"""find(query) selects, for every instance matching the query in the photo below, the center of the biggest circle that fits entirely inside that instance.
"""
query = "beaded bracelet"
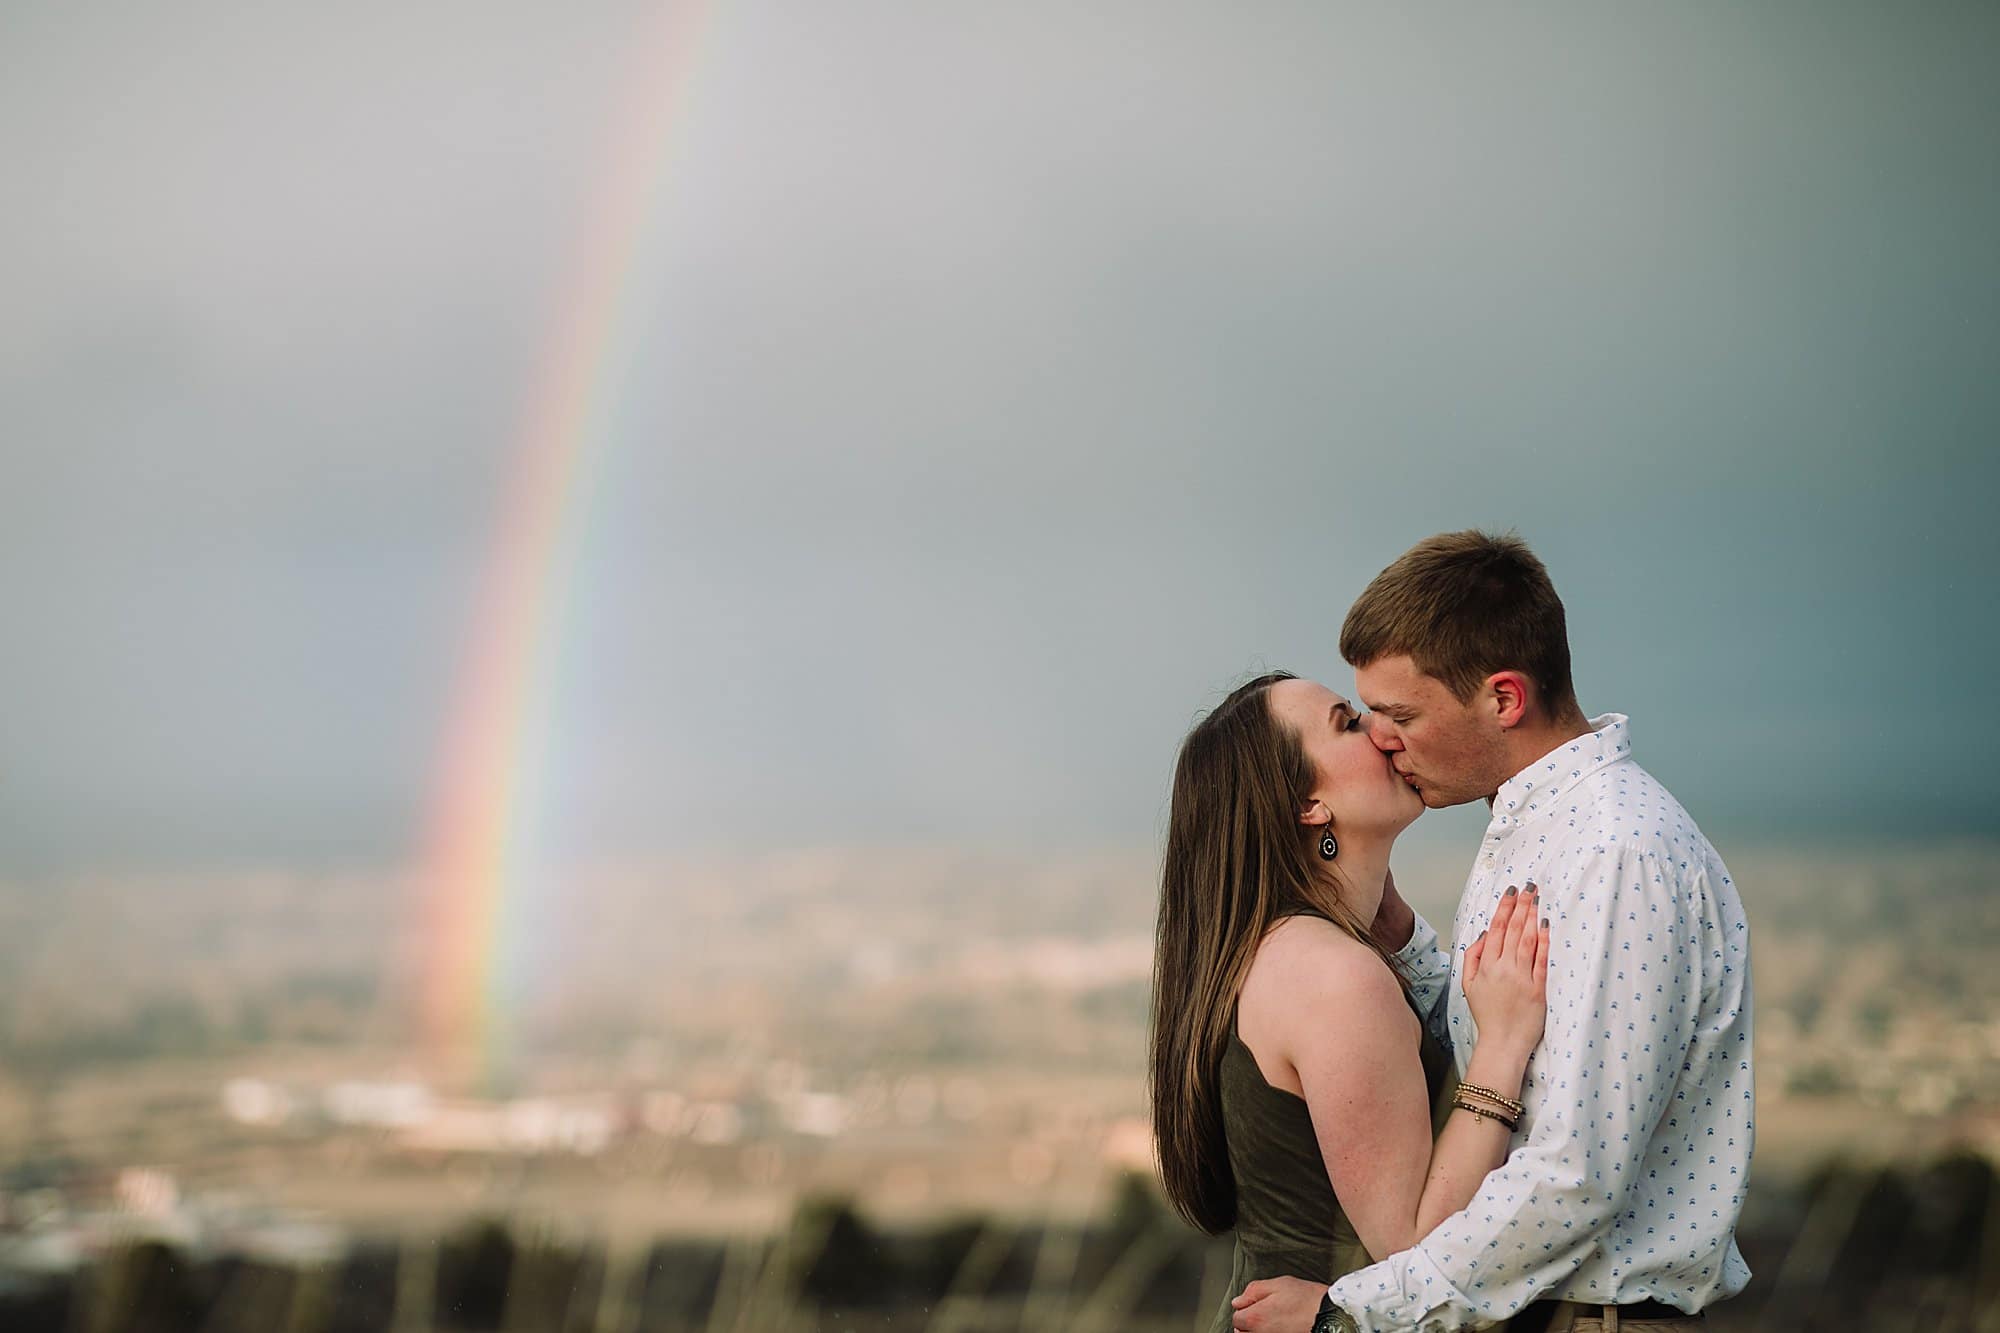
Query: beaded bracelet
(1494, 1097)
(1485, 1113)
(1511, 1114)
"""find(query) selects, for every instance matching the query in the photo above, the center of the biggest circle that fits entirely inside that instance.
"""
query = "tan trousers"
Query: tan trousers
(1575, 1317)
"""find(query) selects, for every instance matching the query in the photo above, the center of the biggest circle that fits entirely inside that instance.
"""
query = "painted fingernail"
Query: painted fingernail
(1545, 923)
(1510, 892)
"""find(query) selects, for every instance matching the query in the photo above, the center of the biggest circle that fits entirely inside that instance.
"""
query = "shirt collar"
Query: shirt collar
(1533, 791)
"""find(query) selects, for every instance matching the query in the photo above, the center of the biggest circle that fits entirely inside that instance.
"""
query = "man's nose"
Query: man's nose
(1383, 732)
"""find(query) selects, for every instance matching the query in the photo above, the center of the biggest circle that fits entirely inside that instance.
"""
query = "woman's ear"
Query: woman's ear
(1314, 813)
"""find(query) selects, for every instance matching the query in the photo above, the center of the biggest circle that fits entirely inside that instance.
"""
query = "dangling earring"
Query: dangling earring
(1328, 848)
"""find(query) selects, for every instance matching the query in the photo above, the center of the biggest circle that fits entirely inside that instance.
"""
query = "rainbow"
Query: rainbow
(479, 864)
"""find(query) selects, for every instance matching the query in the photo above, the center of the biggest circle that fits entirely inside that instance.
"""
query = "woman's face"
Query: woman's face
(1355, 780)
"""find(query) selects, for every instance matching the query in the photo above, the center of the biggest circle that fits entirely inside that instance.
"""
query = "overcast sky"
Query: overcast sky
(1005, 382)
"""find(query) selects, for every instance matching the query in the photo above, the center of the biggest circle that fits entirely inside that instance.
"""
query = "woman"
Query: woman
(1293, 1083)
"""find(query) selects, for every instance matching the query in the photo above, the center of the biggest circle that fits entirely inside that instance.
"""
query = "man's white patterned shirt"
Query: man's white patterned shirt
(1627, 1174)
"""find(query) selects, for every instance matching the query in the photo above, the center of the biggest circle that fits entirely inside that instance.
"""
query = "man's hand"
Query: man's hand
(1395, 920)
(1277, 1305)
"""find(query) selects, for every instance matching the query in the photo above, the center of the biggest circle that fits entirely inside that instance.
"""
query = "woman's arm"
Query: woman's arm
(1469, 1146)
(1352, 1039)
(1506, 980)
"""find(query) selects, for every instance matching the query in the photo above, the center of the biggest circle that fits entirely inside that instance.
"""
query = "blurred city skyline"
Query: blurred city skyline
(996, 388)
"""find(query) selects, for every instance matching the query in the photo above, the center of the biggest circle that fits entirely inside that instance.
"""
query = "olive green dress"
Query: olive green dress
(1288, 1222)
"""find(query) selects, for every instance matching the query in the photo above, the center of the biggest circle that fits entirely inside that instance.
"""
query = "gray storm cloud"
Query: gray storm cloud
(1000, 384)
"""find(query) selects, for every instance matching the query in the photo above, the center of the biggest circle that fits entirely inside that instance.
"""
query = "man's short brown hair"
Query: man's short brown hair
(1461, 606)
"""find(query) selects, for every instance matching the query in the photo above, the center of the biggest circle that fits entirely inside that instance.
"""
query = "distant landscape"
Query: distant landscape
(699, 1049)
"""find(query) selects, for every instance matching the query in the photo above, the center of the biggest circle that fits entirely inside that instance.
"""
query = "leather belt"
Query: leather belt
(1558, 1314)
(1646, 1310)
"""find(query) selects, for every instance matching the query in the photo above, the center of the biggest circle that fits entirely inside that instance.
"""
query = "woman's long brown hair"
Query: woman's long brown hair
(1237, 862)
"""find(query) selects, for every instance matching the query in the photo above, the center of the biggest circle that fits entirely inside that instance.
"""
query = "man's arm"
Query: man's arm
(1620, 1024)
(1415, 947)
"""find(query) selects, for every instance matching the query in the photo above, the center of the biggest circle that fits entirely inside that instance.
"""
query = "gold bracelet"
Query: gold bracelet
(1494, 1097)
(1497, 1105)
(1490, 1094)
(1485, 1114)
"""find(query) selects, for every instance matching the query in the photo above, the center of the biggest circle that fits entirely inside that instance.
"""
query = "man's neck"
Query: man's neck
(1528, 743)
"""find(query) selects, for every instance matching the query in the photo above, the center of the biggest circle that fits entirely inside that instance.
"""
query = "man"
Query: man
(1616, 1207)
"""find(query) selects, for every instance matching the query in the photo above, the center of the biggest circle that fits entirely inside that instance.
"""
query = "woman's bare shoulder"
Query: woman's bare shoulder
(1308, 964)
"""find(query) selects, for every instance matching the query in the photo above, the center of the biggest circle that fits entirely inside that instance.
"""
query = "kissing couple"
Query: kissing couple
(1547, 1127)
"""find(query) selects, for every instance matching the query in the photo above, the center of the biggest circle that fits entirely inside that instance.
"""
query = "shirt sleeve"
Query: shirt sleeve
(1624, 992)
(1428, 967)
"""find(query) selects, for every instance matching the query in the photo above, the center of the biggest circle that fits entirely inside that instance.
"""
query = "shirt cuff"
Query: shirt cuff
(1427, 965)
(1423, 940)
(1406, 1291)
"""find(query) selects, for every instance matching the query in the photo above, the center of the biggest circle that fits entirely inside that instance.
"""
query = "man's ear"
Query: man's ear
(1313, 814)
(1511, 693)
